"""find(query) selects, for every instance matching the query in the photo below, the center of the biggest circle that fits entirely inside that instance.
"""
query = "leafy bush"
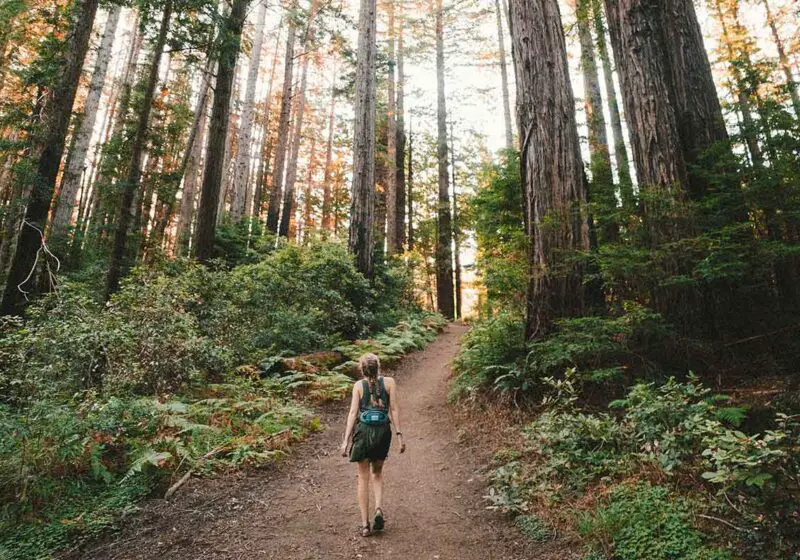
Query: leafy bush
(645, 521)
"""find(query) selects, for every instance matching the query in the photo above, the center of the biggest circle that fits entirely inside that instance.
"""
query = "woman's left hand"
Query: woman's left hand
(402, 445)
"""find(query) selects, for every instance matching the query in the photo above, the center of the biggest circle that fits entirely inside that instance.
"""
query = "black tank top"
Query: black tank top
(377, 398)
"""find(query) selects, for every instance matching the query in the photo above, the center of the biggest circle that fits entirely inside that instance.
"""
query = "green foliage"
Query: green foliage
(496, 212)
(534, 528)
(102, 403)
(645, 521)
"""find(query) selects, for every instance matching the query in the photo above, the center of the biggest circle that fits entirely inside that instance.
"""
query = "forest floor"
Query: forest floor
(304, 507)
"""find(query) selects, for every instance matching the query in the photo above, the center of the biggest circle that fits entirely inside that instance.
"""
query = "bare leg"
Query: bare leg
(363, 491)
(377, 483)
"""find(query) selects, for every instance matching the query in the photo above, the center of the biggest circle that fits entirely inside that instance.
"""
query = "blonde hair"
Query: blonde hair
(369, 364)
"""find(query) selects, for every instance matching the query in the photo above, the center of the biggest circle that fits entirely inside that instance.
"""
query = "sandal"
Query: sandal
(378, 523)
(365, 530)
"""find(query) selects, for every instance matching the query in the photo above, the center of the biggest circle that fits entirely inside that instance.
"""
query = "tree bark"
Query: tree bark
(620, 149)
(456, 227)
(230, 41)
(444, 227)
(638, 42)
(242, 165)
(308, 203)
(190, 167)
(791, 84)
(55, 119)
(400, 144)
(117, 265)
(501, 42)
(393, 244)
(410, 188)
(362, 209)
(602, 188)
(266, 147)
(276, 193)
(289, 201)
(327, 191)
(699, 115)
(71, 180)
(551, 165)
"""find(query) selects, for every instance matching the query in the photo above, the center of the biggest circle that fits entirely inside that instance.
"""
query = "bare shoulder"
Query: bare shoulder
(357, 388)
(390, 383)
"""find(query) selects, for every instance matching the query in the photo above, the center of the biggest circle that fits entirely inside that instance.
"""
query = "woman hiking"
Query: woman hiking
(374, 412)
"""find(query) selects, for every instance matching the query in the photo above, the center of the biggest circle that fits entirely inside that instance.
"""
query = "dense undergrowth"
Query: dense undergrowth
(186, 370)
(621, 443)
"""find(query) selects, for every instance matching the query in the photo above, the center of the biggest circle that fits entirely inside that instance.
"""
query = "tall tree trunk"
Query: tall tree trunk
(638, 42)
(501, 43)
(456, 227)
(620, 149)
(410, 189)
(551, 165)
(791, 84)
(71, 179)
(117, 265)
(297, 137)
(55, 118)
(393, 244)
(362, 209)
(276, 193)
(750, 130)
(242, 165)
(400, 144)
(602, 193)
(444, 235)
(190, 167)
(308, 203)
(230, 45)
(327, 190)
(697, 109)
(266, 146)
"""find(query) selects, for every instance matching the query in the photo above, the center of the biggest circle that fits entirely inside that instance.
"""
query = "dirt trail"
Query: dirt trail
(305, 508)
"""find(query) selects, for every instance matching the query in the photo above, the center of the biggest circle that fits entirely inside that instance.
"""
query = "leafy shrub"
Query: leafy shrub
(534, 528)
(645, 521)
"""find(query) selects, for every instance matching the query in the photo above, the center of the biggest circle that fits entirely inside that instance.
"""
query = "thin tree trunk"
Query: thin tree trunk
(360, 239)
(602, 193)
(266, 148)
(71, 179)
(551, 165)
(620, 149)
(190, 167)
(55, 119)
(220, 116)
(410, 189)
(444, 236)
(791, 84)
(308, 206)
(750, 131)
(400, 157)
(276, 193)
(456, 227)
(393, 244)
(638, 42)
(242, 165)
(501, 42)
(117, 265)
(289, 201)
(327, 191)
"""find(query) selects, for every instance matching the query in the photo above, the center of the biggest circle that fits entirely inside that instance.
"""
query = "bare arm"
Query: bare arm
(394, 411)
(351, 418)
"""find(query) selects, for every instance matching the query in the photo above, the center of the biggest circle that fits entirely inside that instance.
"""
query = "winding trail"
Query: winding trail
(305, 507)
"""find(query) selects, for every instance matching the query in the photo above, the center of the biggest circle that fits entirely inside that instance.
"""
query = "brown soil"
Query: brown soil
(305, 508)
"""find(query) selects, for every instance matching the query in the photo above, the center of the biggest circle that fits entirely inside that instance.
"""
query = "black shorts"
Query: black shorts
(371, 443)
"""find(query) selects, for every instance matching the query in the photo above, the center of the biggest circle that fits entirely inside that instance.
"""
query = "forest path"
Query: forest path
(305, 507)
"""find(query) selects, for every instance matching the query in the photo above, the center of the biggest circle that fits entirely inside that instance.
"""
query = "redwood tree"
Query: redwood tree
(552, 168)
(362, 207)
